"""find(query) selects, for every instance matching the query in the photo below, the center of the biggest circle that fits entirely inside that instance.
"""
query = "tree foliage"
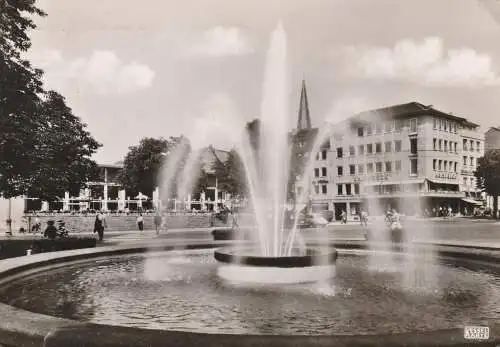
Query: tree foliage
(143, 163)
(44, 148)
(488, 175)
(231, 175)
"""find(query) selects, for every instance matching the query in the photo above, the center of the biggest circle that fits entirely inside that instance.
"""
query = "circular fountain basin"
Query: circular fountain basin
(245, 265)
(176, 298)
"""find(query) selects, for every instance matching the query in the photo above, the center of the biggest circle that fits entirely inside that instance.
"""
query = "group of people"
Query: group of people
(363, 217)
(100, 223)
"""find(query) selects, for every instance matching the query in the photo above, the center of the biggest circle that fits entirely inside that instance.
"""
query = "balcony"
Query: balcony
(467, 172)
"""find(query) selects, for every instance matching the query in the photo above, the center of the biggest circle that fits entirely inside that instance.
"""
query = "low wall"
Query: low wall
(81, 223)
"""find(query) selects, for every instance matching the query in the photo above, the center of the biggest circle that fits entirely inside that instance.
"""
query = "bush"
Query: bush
(10, 248)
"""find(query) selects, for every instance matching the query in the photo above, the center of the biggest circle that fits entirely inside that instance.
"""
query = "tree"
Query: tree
(20, 86)
(143, 163)
(44, 148)
(62, 151)
(488, 176)
(231, 175)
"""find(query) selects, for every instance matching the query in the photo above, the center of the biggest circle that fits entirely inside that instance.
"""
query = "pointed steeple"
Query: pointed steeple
(304, 121)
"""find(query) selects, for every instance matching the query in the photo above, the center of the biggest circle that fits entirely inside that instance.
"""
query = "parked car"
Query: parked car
(312, 221)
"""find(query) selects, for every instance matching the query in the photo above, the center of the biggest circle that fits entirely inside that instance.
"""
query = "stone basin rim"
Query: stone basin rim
(23, 328)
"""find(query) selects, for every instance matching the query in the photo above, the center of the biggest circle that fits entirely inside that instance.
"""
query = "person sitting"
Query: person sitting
(50, 231)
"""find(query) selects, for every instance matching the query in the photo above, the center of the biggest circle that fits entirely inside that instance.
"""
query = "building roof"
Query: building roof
(210, 155)
(405, 110)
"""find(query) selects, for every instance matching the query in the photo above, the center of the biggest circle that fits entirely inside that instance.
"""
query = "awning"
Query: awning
(473, 202)
(392, 183)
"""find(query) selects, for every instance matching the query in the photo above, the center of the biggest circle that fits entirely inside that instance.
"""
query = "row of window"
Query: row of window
(347, 189)
(469, 161)
(377, 167)
(444, 165)
(371, 148)
(386, 127)
(469, 145)
(321, 187)
(445, 145)
(444, 125)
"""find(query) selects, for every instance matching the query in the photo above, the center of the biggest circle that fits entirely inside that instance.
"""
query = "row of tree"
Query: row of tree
(44, 148)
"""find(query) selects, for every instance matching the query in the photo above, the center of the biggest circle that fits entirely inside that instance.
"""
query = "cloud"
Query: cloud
(220, 41)
(425, 62)
(102, 72)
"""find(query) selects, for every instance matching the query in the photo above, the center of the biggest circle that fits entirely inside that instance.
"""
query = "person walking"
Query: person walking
(157, 221)
(344, 217)
(364, 218)
(99, 224)
(140, 222)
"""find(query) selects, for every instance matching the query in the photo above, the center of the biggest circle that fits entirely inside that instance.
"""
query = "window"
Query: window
(413, 125)
(340, 152)
(369, 148)
(464, 145)
(340, 170)
(399, 125)
(456, 146)
(446, 123)
(388, 147)
(413, 166)
(369, 168)
(434, 123)
(440, 165)
(388, 126)
(455, 128)
(361, 169)
(339, 189)
(361, 149)
(369, 129)
(323, 155)
(440, 145)
(478, 145)
(434, 144)
(378, 147)
(378, 128)
(413, 146)
(465, 160)
(352, 151)
(471, 161)
(445, 165)
(356, 189)
(316, 189)
(440, 124)
(471, 145)
(388, 166)
(445, 146)
(360, 132)
(465, 181)
(323, 172)
(378, 166)
(316, 172)
(398, 165)
(434, 164)
(397, 145)
(324, 189)
(348, 189)
(455, 168)
(352, 170)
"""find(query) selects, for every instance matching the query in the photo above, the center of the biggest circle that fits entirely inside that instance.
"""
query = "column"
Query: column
(121, 200)
(188, 206)
(66, 202)
(156, 198)
(348, 210)
(216, 200)
(105, 199)
(202, 200)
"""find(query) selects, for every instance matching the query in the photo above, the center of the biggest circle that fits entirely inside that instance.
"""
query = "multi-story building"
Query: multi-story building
(492, 139)
(409, 157)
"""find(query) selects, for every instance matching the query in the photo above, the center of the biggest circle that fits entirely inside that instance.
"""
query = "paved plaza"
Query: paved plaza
(463, 231)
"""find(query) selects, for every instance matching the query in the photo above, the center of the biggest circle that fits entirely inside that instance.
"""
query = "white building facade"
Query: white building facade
(409, 157)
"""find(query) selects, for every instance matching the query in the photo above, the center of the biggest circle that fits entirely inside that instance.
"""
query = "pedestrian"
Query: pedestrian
(157, 221)
(50, 231)
(99, 224)
(36, 225)
(450, 211)
(344, 217)
(235, 219)
(364, 218)
(140, 222)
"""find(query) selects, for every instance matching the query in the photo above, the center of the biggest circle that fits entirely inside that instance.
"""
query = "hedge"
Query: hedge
(10, 248)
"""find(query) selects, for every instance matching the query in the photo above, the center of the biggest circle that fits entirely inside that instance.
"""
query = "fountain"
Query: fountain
(183, 292)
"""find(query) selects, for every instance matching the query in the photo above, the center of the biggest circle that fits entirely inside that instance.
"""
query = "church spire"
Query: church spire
(304, 121)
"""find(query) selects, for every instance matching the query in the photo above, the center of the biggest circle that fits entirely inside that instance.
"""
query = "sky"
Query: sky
(160, 68)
